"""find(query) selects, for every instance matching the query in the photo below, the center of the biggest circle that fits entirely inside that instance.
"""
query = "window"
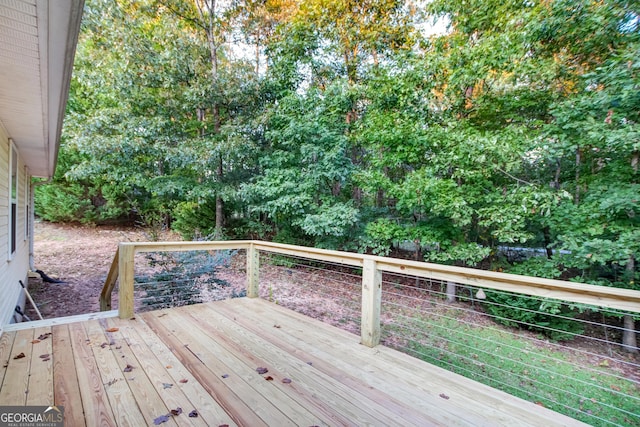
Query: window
(13, 202)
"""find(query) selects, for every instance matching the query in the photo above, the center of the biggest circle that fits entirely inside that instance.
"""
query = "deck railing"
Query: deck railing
(414, 307)
(122, 269)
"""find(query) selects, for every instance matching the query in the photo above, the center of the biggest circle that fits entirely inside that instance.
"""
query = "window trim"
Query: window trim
(13, 196)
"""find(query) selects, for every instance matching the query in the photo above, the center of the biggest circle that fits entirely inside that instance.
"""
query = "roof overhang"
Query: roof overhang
(37, 45)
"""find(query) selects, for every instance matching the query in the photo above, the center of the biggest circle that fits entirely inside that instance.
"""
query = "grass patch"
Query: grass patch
(495, 357)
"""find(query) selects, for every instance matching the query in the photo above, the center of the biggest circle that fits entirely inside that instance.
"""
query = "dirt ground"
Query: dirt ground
(81, 257)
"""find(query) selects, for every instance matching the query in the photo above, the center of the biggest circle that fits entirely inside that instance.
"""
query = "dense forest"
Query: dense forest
(462, 127)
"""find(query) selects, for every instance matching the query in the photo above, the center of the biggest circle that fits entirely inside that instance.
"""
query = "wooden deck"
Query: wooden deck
(204, 357)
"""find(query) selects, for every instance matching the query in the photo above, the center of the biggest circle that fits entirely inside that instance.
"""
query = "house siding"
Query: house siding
(12, 268)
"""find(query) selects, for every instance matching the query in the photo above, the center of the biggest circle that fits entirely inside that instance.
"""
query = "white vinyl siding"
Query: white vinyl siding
(12, 268)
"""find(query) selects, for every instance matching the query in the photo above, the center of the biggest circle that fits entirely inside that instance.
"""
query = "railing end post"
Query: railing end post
(371, 303)
(253, 276)
(126, 254)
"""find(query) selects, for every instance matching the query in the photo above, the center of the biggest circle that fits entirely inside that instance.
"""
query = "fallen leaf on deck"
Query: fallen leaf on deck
(310, 363)
(44, 356)
(539, 404)
(46, 359)
(166, 385)
(269, 378)
(168, 366)
(20, 356)
(184, 380)
(176, 411)
(103, 345)
(44, 336)
(444, 396)
(35, 341)
(118, 347)
(161, 419)
(262, 370)
(276, 326)
(112, 382)
(223, 425)
(113, 329)
(193, 414)
(128, 368)
(225, 375)
(286, 381)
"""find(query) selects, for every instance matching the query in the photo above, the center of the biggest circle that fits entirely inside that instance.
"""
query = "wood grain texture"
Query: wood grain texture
(114, 380)
(41, 373)
(207, 408)
(94, 399)
(6, 344)
(18, 367)
(66, 389)
(204, 358)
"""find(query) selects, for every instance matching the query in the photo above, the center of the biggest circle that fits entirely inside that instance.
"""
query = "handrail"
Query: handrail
(373, 266)
(109, 284)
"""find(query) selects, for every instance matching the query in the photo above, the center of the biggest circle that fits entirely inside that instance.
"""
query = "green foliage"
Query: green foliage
(348, 128)
(532, 372)
(550, 317)
(68, 203)
(194, 220)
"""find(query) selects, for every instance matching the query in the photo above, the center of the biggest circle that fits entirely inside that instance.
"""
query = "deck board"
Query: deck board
(483, 405)
(209, 410)
(253, 351)
(95, 401)
(66, 389)
(41, 373)
(342, 399)
(122, 399)
(204, 358)
(18, 370)
(6, 344)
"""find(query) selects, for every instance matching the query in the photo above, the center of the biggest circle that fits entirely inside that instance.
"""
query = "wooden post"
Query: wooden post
(253, 274)
(451, 291)
(127, 252)
(371, 302)
(109, 284)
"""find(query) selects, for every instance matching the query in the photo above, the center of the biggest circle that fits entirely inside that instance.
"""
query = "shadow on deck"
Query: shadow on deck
(203, 358)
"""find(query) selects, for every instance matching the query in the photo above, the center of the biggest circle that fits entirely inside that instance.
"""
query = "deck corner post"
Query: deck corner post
(253, 275)
(126, 253)
(371, 302)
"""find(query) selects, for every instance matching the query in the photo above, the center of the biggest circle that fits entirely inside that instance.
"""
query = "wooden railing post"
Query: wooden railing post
(109, 284)
(253, 266)
(127, 252)
(371, 301)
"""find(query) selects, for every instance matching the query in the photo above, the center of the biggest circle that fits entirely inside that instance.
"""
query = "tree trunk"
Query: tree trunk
(576, 197)
(547, 241)
(208, 15)
(451, 292)
(629, 342)
(219, 202)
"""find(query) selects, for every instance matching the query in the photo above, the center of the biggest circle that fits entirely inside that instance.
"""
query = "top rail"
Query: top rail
(600, 296)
